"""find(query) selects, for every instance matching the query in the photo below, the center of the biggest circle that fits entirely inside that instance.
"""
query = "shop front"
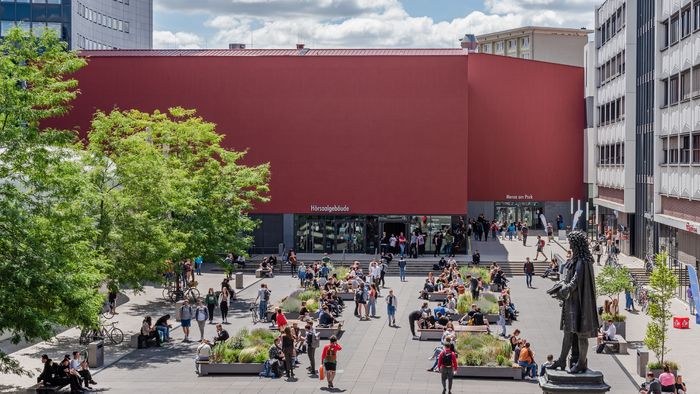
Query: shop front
(526, 212)
(362, 233)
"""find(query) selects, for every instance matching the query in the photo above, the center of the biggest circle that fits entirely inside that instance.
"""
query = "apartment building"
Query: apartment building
(611, 133)
(676, 182)
(555, 45)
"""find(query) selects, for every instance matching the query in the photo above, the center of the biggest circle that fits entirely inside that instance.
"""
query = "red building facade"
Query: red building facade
(366, 141)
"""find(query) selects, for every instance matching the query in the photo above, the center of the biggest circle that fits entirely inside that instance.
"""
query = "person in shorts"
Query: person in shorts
(186, 314)
(330, 359)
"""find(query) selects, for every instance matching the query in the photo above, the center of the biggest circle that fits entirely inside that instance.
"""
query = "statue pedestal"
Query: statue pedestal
(590, 382)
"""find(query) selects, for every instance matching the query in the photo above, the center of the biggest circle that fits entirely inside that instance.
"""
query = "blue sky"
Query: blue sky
(352, 23)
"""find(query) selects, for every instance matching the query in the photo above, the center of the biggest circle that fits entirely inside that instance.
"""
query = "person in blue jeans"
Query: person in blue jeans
(198, 261)
(529, 269)
(402, 269)
(263, 297)
(527, 361)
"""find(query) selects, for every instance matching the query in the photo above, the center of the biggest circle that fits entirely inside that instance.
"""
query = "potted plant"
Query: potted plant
(610, 282)
(662, 287)
(244, 353)
(485, 356)
(292, 303)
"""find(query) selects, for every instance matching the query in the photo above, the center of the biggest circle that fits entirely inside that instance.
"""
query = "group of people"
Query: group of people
(73, 372)
(665, 383)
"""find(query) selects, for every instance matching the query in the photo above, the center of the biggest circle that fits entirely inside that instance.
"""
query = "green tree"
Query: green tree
(612, 281)
(50, 272)
(662, 287)
(168, 190)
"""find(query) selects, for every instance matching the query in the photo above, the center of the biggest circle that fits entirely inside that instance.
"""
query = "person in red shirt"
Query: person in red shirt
(330, 359)
(447, 363)
(280, 320)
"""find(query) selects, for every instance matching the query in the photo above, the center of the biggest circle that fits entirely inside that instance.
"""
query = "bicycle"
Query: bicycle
(173, 294)
(110, 331)
(254, 309)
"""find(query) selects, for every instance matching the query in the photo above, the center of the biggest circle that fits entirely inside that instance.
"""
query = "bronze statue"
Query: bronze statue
(579, 314)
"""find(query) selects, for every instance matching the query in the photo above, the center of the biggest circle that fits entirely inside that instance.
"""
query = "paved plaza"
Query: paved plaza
(375, 357)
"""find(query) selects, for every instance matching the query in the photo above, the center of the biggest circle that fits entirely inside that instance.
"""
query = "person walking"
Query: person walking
(540, 248)
(262, 298)
(391, 303)
(447, 362)
(186, 314)
(524, 230)
(402, 269)
(437, 241)
(201, 315)
(529, 269)
(383, 267)
(312, 343)
(329, 355)
(223, 304)
(288, 350)
(210, 300)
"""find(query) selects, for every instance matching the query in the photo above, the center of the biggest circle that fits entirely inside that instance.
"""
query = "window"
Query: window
(499, 46)
(5, 27)
(664, 89)
(696, 14)
(685, 22)
(525, 42)
(685, 85)
(696, 148)
(674, 30)
(665, 31)
(673, 90)
(673, 150)
(696, 80)
(511, 44)
(525, 55)
(685, 149)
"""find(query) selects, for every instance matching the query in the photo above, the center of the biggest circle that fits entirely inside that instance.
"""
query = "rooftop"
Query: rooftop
(277, 52)
(537, 29)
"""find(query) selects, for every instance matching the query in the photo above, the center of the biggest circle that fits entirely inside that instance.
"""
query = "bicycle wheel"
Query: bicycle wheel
(175, 295)
(116, 336)
(166, 293)
(193, 295)
(254, 315)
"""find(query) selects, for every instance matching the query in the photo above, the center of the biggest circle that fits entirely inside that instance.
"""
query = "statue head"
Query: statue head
(579, 246)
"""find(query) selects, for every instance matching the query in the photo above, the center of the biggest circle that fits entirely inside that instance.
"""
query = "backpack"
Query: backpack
(316, 340)
(267, 371)
(330, 355)
(446, 359)
(359, 295)
(267, 295)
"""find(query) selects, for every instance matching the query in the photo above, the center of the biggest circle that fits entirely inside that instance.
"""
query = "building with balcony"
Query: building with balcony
(85, 24)
(549, 44)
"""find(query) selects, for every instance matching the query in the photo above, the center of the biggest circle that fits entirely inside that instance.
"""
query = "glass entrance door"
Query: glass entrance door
(524, 212)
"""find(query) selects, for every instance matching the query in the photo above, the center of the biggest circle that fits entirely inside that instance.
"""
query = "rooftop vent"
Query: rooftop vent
(236, 45)
(300, 46)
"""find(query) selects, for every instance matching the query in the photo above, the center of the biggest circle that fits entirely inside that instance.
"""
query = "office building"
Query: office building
(85, 24)
(548, 44)
(364, 141)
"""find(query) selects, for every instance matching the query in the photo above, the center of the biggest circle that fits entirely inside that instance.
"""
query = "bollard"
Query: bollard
(642, 361)
(96, 354)
(238, 280)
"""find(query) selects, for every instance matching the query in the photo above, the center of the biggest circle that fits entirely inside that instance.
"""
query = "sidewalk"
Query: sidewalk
(131, 313)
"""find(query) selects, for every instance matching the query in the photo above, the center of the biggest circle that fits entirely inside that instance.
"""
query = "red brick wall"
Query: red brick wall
(681, 208)
(614, 195)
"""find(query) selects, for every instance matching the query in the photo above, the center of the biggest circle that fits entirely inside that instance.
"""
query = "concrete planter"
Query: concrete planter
(489, 372)
(346, 296)
(230, 369)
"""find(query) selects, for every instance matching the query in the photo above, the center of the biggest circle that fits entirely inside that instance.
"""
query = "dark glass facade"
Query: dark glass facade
(37, 15)
(643, 229)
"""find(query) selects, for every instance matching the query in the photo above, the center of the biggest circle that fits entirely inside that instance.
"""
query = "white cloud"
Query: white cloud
(360, 23)
(168, 39)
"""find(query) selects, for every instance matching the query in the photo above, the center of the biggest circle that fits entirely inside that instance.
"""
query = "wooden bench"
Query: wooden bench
(617, 345)
(427, 334)
(259, 274)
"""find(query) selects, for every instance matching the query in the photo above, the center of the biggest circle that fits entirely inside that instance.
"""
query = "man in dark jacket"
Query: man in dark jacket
(579, 314)
(47, 374)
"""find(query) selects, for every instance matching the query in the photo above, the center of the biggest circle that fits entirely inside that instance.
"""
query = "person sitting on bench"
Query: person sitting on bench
(607, 334)
(553, 267)
(81, 367)
(47, 377)
(266, 268)
(325, 319)
(148, 332)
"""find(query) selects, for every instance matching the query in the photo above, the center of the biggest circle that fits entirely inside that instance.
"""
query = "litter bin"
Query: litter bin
(239, 280)
(642, 361)
(96, 354)
(562, 235)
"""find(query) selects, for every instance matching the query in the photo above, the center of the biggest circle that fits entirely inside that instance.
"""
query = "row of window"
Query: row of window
(681, 86)
(681, 149)
(611, 112)
(611, 26)
(86, 43)
(511, 44)
(102, 19)
(611, 69)
(681, 24)
(37, 27)
(612, 154)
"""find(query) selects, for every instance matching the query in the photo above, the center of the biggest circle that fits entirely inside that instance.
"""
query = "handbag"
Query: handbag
(321, 373)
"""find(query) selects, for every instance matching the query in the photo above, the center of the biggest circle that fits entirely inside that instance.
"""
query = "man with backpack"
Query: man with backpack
(263, 298)
(540, 249)
(329, 355)
(447, 362)
(312, 343)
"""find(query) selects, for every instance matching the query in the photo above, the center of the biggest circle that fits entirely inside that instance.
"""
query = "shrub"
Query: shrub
(291, 304)
(658, 365)
(464, 302)
(482, 272)
(615, 318)
(247, 355)
(244, 347)
(309, 294)
(478, 350)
